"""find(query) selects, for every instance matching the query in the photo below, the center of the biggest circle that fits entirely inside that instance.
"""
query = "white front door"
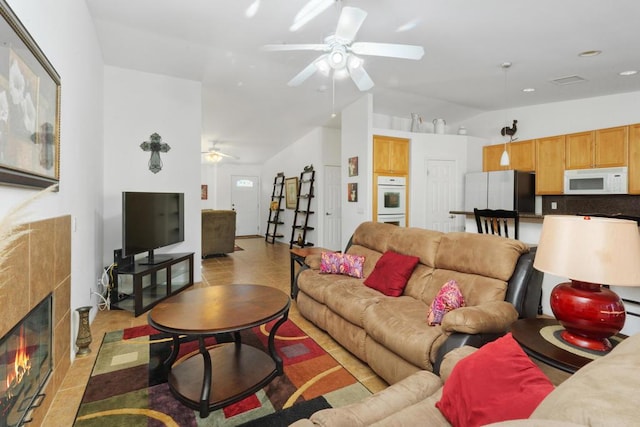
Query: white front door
(245, 201)
(440, 194)
(332, 219)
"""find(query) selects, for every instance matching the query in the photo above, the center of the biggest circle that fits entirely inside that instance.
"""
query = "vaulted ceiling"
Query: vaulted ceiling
(252, 112)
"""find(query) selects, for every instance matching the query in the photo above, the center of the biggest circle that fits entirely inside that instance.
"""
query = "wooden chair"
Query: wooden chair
(495, 221)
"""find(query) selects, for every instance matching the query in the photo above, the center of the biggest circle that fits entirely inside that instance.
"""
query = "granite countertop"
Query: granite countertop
(523, 215)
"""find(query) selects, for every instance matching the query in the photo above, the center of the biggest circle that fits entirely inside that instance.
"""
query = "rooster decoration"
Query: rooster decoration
(510, 131)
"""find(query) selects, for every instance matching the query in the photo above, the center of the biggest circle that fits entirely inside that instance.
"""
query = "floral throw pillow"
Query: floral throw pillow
(353, 265)
(330, 262)
(449, 298)
(337, 263)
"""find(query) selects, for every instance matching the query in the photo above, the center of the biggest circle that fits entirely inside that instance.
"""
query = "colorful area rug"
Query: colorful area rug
(128, 385)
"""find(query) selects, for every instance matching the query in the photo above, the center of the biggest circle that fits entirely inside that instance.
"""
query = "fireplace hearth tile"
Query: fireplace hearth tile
(62, 254)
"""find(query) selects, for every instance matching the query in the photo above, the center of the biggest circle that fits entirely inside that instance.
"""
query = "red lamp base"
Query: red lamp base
(589, 312)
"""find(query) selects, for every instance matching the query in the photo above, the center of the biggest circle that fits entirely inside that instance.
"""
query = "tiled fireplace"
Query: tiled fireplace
(35, 320)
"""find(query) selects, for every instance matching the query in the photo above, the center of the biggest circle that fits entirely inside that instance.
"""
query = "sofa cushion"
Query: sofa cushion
(399, 324)
(391, 273)
(316, 285)
(350, 298)
(371, 257)
(373, 235)
(496, 383)
(482, 254)
(416, 242)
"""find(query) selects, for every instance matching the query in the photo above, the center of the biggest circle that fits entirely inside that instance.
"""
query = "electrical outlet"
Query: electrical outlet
(554, 205)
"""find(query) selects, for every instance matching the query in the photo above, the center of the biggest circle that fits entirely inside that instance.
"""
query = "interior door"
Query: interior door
(246, 202)
(440, 194)
(332, 219)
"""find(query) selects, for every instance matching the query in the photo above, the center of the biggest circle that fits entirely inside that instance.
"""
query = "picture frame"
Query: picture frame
(204, 192)
(29, 108)
(353, 166)
(291, 192)
(352, 192)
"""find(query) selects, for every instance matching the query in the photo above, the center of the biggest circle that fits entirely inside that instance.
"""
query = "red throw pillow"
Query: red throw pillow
(391, 273)
(496, 383)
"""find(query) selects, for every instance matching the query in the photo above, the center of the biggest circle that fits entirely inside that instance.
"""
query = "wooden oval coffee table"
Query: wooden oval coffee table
(240, 369)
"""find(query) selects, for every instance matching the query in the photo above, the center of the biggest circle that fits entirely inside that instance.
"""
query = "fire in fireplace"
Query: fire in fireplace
(25, 364)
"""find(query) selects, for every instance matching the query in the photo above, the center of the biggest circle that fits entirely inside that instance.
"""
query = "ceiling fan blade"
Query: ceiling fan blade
(307, 72)
(286, 47)
(404, 51)
(361, 78)
(351, 19)
(308, 12)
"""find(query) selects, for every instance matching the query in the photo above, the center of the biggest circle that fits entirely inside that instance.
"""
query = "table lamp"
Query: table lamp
(591, 252)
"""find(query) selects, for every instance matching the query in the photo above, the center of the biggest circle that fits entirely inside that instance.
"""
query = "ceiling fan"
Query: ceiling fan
(213, 155)
(340, 51)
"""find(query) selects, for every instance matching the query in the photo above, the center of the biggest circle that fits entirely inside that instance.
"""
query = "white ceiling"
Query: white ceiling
(250, 110)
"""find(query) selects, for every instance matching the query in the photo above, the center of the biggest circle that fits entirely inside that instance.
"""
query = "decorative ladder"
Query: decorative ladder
(274, 209)
(303, 209)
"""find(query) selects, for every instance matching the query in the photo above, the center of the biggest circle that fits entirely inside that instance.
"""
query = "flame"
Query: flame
(21, 363)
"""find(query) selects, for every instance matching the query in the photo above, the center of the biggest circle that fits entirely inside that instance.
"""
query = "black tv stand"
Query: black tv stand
(152, 259)
(137, 287)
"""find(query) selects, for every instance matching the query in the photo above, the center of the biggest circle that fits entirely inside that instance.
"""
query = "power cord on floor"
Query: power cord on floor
(105, 284)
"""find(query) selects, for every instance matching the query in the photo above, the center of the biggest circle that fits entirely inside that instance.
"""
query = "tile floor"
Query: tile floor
(260, 263)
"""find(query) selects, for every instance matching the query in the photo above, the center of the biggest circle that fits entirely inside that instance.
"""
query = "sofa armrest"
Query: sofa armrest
(413, 389)
(525, 286)
(491, 317)
(313, 261)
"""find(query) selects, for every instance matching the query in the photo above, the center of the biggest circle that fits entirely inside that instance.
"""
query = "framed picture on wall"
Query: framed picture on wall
(352, 192)
(204, 192)
(353, 166)
(29, 108)
(291, 192)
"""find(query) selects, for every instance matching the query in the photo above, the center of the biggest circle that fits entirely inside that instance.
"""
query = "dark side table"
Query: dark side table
(527, 333)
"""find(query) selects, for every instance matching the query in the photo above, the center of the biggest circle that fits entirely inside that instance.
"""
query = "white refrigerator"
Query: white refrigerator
(509, 190)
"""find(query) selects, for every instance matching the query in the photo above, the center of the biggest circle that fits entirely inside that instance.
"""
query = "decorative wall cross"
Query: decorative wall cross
(156, 146)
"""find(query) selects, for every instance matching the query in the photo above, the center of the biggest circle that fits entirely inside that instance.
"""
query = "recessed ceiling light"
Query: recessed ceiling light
(529, 89)
(588, 53)
(628, 73)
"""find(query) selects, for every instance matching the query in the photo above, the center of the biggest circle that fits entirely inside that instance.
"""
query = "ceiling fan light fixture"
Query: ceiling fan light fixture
(213, 157)
(338, 58)
(355, 62)
(340, 74)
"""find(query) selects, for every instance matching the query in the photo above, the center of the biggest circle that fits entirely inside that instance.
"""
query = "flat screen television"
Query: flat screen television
(151, 221)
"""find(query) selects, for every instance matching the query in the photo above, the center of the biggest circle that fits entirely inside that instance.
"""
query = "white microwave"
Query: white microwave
(596, 181)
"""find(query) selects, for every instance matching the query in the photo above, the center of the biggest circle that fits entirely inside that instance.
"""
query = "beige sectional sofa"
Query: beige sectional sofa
(603, 393)
(391, 334)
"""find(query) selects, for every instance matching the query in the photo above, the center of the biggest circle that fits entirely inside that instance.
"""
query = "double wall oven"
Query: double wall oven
(392, 203)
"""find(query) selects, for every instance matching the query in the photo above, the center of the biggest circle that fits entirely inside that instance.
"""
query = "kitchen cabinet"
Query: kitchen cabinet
(634, 159)
(491, 158)
(579, 150)
(390, 155)
(522, 156)
(612, 147)
(550, 163)
(602, 148)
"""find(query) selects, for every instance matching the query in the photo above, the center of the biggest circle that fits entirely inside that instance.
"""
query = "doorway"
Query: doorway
(332, 218)
(246, 202)
(440, 194)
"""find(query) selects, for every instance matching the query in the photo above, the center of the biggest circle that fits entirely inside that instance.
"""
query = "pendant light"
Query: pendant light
(504, 159)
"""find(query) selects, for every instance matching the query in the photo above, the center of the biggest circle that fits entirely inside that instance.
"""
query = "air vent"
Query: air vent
(568, 80)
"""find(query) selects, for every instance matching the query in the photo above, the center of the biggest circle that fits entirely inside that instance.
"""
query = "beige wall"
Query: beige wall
(39, 265)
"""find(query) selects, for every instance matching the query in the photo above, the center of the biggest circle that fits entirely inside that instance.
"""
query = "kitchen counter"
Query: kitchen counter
(524, 216)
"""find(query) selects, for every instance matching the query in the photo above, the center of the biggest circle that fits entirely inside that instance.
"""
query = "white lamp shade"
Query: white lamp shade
(590, 249)
(504, 159)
